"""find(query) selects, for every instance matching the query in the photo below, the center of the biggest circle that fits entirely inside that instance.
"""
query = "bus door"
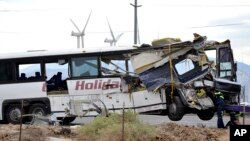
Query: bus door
(84, 86)
(96, 80)
(56, 75)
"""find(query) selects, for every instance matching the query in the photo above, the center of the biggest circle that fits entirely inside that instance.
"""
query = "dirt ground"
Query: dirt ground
(10, 132)
(167, 131)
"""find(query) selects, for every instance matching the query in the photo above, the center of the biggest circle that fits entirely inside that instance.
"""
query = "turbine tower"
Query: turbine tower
(114, 39)
(80, 34)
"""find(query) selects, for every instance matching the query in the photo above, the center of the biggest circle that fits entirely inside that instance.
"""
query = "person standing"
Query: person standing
(220, 108)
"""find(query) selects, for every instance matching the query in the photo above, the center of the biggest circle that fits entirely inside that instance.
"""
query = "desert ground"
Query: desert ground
(167, 131)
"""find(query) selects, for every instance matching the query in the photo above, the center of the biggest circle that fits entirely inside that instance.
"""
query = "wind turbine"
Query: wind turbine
(80, 34)
(113, 40)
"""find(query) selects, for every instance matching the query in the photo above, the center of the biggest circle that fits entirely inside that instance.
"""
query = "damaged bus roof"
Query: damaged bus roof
(171, 47)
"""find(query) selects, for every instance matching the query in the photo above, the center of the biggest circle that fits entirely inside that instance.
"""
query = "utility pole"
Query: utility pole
(135, 21)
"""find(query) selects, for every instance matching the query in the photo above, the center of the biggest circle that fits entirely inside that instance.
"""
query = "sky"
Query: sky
(45, 24)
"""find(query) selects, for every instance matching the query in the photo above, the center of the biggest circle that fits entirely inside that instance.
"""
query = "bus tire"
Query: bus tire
(37, 109)
(176, 109)
(13, 114)
(206, 114)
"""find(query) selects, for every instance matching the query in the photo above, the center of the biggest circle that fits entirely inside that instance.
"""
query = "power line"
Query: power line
(127, 31)
(30, 10)
(200, 5)
(221, 25)
(37, 32)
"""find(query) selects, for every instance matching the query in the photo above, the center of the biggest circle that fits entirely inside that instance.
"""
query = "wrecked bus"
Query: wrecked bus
(187, 77)
(172, 78)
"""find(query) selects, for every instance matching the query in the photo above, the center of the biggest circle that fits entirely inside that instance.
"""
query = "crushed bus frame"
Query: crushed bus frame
(172, 78)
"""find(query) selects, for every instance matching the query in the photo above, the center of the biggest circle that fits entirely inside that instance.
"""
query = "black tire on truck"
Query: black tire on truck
(13, 114)
(38, 109)
(176, 109)
(206, 114)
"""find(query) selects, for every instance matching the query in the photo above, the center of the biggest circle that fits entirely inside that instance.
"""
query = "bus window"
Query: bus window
(225, 63)
(184, 66)
(56, 75)
(5, 72)
(84, 66)
(112, 65)
(211, 54)
(29, 71)
(53, 68)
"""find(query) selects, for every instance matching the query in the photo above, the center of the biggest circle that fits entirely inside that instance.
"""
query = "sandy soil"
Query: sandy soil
(167, 132)
(9, 132)
(175, 132)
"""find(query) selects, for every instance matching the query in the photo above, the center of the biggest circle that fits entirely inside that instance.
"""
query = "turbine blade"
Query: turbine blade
(118, 37)
(75, 25)
(112, 34)
(83, 31)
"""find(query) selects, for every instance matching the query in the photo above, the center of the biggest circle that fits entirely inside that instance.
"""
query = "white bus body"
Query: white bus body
(81, 93)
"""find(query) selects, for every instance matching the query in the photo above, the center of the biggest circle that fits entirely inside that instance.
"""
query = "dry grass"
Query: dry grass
(110, 129)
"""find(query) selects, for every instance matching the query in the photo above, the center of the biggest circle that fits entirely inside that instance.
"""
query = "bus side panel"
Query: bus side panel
(116, 101)
(59, 103)
(94, 86)
(89, 91)
(109, 91)
(141, 101)
(23, 90)
(145, 101)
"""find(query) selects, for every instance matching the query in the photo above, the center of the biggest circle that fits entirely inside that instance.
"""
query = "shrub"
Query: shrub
(110, 129)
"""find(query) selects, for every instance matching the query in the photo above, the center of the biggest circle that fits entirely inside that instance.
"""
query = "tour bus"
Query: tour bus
(56, 82)
(170, 78)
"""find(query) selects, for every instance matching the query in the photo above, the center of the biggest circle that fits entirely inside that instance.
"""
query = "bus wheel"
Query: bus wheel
(176, 109)
(37, 110)
(206, 114)
(13, 114)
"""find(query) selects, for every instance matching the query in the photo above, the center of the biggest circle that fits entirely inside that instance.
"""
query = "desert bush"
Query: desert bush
(110, 129)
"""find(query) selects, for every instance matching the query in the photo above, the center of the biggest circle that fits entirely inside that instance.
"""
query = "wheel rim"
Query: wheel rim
(15, 114)
(38, 111)
(172, 109)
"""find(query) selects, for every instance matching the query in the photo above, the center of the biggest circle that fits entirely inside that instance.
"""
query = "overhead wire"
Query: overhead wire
(221, 25)
(127, 31)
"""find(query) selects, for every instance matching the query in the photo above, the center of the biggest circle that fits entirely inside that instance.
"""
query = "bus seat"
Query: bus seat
(37, 75)
(59, 76)
(58, 80)
(23, 76)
